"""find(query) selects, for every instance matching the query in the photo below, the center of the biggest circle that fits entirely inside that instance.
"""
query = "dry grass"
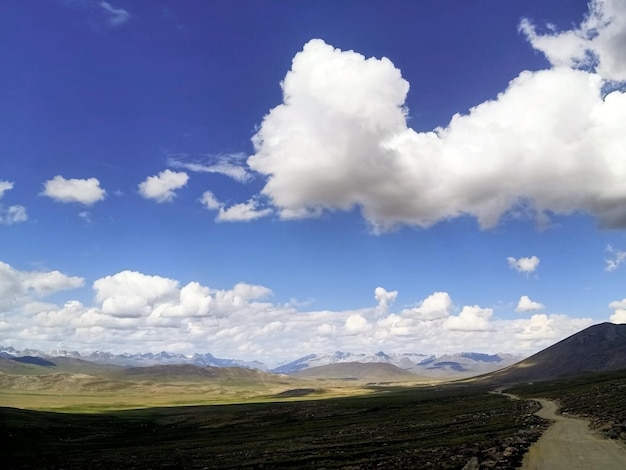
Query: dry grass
(147, 395)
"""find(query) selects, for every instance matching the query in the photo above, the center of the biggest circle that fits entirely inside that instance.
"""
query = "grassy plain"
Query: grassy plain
(379, 427)
(153, 395)
(80, 386)
(77, 416)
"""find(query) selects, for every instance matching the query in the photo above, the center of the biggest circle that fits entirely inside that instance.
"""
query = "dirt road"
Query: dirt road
(569, 444)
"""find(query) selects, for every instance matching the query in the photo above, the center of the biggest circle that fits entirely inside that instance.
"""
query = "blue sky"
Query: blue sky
(266, 179)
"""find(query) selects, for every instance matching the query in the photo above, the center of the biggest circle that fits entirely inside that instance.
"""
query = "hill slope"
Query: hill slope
(599, 348)
(358, 371)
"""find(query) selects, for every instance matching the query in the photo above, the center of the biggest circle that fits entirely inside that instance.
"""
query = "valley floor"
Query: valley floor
(392, 428)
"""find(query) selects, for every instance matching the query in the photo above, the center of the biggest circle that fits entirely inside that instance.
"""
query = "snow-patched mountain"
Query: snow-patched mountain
(461, 364)
(137, 359)
(436, 366)
(404, 361)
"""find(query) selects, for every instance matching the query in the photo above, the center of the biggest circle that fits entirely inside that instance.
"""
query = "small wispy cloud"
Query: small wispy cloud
(242, 212)
(98, 13)
(115, 16)
(617, 257)
(527, 305)
(228, 164)
(86, 216)
(162, 187)
(524, 265)
(11, 215)
(4, 187)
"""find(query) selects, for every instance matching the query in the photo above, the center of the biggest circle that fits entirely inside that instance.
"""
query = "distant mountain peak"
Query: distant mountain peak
(444, 366)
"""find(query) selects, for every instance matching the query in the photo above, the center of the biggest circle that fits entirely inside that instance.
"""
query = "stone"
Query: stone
(472, 464)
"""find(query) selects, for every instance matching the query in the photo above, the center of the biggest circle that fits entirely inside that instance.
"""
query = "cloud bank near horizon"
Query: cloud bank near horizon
(155, 313)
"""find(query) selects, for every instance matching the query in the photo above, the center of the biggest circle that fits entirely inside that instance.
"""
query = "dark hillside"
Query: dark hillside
(38, 361)
(599, 348)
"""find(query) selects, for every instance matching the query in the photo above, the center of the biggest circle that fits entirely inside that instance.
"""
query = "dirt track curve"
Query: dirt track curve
(569, 444)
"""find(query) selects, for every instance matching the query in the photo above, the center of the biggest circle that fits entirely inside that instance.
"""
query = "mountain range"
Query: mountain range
(136, 359)
(599, 348)
(434, 366)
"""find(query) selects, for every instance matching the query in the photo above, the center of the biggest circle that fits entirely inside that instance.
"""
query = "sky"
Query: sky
(267, 179)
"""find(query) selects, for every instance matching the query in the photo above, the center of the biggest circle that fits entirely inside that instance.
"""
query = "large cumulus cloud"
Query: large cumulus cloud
(551, 143)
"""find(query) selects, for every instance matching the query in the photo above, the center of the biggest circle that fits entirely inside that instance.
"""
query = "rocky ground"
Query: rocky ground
(604, 406)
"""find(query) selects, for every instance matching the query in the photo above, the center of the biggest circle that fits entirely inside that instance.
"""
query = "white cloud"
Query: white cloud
(134, 284)
(85, 215)
(243, 212)
(542, 329)
(83, 191)
(434, 307)
(5, 186)
(162, 186)
(356, 324)
(337, 107)
(619, 311)
(209, 201)
(619, 316)
(384, 298)
(540, 326)
(471, 318)
(133, 311)
(551, 142)
(617, 258)
(598, 44)
(15, 214)
(231, 165)
(18, 288)
(618, 304)
(527, 305)
(130, 294)
(524, 265)
(46, 283)
(115, 16)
